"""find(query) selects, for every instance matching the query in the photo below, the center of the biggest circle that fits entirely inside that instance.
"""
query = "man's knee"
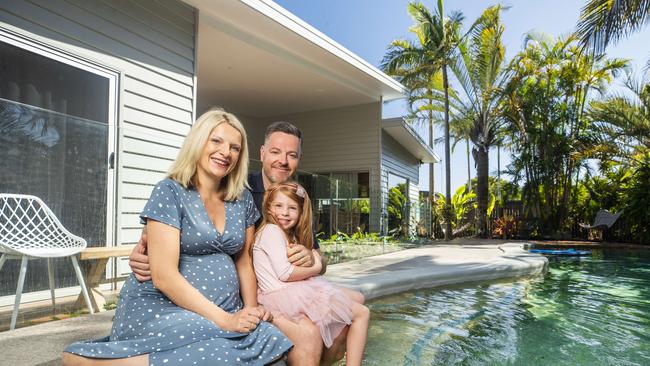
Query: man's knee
(311, 337)
(307, 345)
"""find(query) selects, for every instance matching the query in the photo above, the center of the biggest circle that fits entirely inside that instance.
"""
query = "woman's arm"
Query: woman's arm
(164, 252)
(245, 272)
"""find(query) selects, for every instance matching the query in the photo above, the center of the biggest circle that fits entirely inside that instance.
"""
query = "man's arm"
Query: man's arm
(139, 260)
(301, 256)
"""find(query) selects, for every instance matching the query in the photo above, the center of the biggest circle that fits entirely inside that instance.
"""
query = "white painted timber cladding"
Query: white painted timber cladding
(395, 159)
(152, 44)
(414, 214)
(340, 140)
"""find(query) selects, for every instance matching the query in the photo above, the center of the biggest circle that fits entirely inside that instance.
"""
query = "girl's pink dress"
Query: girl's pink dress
(324, 304)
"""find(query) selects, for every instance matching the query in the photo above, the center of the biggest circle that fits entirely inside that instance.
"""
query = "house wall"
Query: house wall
(338, 140)
(152, 45)
(395, 159)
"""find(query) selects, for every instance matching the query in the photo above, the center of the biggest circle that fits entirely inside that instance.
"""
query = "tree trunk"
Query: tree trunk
(498, 176)
(448, 230)
(431, 180)
(469, 171)
(482, 163)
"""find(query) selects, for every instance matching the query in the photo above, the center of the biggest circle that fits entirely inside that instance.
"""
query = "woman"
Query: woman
(191, 312)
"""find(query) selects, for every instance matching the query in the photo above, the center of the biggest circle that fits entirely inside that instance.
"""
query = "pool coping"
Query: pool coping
(503, 261)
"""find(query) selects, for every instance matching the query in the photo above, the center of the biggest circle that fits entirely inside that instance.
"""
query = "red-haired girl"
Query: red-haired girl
(292, 292)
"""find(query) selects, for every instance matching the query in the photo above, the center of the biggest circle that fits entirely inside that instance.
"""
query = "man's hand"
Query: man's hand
(299, 255)
(139, 261)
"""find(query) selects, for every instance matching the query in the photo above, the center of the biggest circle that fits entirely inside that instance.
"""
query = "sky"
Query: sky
(366, 27)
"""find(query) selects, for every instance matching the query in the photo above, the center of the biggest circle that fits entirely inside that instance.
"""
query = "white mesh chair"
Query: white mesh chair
(30, 230)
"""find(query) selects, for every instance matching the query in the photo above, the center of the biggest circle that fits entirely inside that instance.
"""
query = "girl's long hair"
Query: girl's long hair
(303, 230)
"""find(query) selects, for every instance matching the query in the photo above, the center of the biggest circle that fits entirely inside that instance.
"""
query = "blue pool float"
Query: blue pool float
(570, 251)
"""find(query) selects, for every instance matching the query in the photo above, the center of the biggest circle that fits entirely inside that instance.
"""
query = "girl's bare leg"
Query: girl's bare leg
(355, 296)
(70, 359)
(357, 335)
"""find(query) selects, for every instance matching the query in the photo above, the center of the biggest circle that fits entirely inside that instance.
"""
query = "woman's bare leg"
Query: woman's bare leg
(357, 335)
(306, 338)
(70, 359)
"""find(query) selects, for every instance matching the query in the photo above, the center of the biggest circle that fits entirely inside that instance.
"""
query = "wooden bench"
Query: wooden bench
(99, 257)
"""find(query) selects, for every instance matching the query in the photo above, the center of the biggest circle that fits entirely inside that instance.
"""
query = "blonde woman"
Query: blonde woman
(200, 226)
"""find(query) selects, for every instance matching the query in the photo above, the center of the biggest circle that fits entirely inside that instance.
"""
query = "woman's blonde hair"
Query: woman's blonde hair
(183, 170)
(303, 230)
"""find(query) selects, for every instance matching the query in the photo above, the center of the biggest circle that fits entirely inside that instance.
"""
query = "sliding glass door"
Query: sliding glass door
(57, 117)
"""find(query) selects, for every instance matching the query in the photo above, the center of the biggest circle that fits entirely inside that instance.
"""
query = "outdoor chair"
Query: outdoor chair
(30, 230)
(604, 219)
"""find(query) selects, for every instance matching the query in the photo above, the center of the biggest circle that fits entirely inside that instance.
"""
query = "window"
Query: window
(341, 201)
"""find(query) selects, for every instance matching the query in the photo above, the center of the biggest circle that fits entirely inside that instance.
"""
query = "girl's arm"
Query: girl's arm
(274, 244)
(301, 273)
(164, 252)
(245, 272)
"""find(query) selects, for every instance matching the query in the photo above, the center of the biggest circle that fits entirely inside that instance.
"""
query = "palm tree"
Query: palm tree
(604, 21)
(620, 128)
(418, 65)
(479, 70)
(550, 84)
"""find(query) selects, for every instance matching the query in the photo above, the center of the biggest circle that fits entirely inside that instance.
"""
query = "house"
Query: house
(97, 96)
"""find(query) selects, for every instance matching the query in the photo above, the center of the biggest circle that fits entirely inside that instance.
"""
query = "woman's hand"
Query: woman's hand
(243, 321)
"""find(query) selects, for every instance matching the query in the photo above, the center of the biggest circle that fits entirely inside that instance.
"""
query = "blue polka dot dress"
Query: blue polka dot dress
(147, 322)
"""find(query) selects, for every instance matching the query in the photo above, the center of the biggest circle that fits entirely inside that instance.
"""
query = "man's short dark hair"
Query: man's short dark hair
(284, 127)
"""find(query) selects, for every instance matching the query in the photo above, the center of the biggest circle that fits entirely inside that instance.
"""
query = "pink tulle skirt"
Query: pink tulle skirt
(324, 304)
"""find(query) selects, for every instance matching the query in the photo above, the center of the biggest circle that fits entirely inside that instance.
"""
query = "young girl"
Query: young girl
(294, 292)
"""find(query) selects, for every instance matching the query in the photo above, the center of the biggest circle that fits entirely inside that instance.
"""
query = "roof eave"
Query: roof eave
(402, 131)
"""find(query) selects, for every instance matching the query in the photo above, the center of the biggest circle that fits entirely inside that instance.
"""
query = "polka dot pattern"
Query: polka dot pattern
(147, 322)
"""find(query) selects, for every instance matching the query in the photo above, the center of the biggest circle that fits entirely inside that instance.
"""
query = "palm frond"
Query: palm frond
(606, 21)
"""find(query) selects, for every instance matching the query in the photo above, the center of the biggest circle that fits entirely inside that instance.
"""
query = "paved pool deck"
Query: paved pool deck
(422, 267)
(435, 266)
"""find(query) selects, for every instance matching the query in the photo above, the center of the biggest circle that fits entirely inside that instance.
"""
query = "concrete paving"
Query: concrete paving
(423, 267)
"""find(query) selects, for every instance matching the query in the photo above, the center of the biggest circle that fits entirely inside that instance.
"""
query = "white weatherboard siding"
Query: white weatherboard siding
(151, 43)
(341, 140)
(395, 159)
(414, 217)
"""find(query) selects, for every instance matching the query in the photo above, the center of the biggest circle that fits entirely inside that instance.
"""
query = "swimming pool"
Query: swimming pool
(584, 311)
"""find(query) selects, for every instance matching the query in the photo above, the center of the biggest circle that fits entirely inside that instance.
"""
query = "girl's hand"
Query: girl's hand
(243, 321)
(265, 313)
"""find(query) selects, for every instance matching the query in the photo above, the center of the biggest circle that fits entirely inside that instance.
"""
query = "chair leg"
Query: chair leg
(3, 258)
(19, 292)
(50, 274)
(80, 278)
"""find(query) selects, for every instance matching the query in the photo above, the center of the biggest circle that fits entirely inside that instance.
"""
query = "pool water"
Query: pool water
(584, 311)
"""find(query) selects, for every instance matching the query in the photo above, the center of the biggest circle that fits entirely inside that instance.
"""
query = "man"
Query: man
(280, 157)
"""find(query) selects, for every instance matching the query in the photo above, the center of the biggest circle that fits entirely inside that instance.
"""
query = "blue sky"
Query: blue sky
(366, 27)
